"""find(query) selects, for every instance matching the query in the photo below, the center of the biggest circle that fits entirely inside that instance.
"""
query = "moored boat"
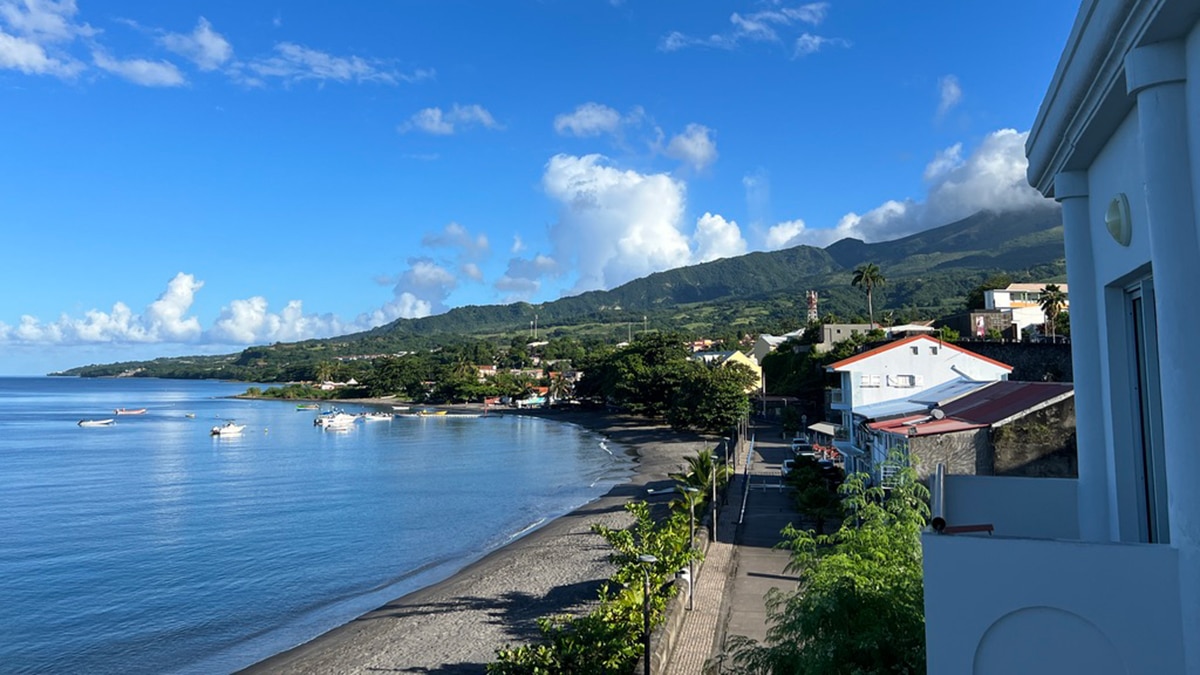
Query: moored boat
(228, 429)
(96, 423)
(308, 406)
(335, 419)
(376, 417)
(130, 411)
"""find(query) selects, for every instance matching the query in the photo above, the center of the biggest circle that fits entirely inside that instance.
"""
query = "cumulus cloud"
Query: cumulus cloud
(140, 71)
(467, 248)
(165, 320)
(694, 147)
(949, 94)
(205, 47)
(296, 63)
(420, 290)
(588, 119)
(614, 225)
(716, 238)
(768, 25)
(991, 178)
(444, 123)
(250, 321)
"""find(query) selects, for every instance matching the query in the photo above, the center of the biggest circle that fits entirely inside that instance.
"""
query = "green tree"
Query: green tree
(711, 398)
(976, 298)
(702, 469)
(859, 607)
(868, 277)
(1052, 302)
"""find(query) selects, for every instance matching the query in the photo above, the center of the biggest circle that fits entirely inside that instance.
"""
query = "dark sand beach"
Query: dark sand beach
(456, 625)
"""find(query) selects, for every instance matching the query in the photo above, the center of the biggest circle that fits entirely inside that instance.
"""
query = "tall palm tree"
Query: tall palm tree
(1052, 302)
(868, 277)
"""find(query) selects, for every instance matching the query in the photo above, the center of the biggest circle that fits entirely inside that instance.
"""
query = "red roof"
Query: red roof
(981, 408)
(907, 341)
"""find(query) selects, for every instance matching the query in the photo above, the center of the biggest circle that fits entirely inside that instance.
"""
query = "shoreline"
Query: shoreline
(455, 625)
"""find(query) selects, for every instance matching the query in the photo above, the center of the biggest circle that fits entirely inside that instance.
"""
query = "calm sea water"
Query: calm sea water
(151, 546)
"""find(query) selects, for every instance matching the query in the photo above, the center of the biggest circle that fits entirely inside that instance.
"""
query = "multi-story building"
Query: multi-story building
(1023, 302)
(1100, 574)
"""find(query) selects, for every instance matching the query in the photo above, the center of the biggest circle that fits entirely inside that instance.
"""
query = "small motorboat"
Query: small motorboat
(335, 419)
(376, 417)
(228, 429)
(130, 411)
(190, 416)
(96, 423)
(308, 406)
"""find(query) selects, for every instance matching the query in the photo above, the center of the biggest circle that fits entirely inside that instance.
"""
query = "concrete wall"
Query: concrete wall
(1031, 362)
(1000, 606)
(1039, 444)
(963, 453)
(1045, 508)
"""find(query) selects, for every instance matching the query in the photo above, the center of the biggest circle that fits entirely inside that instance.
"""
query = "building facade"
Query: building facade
(1103, 576)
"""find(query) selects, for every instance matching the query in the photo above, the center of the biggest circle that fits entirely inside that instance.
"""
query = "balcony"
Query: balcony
(1029, 599)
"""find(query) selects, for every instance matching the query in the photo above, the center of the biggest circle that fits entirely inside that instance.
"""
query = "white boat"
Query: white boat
(228, 429)
(96, 423)
(335, 419)
(376, 417)
(400, 408)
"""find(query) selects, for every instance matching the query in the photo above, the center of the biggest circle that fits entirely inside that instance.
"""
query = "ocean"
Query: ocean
(151, 546)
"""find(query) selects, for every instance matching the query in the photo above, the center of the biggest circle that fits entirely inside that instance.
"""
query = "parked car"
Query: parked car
(802, 448)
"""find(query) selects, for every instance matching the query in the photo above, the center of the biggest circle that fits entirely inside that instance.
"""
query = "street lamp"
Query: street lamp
(690, 494)
(646, 559)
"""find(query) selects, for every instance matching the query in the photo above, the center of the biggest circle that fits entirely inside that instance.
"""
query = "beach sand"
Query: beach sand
(455, 626)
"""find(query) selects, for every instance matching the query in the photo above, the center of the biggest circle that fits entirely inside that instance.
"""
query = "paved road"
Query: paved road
(742, 565)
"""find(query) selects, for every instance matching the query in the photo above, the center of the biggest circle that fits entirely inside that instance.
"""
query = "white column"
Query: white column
(1156, 74)
(1071, 189)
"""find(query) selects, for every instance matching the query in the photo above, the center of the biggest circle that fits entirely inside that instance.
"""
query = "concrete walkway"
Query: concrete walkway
(742, 564)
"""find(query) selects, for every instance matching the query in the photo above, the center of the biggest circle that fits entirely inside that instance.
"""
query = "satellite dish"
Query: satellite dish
(937, 414)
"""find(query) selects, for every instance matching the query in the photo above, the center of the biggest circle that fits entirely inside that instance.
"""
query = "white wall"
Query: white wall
(998, 606)
(1043, 508)
(933, 369)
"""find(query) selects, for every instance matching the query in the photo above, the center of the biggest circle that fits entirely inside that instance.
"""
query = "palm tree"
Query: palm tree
(702, 469)
(1052, 302)
(868, 277)
(560, 388)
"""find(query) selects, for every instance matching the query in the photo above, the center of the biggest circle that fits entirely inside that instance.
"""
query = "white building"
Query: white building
(765, 344)
(1024, 301)
(900, 377)
(1101, 574)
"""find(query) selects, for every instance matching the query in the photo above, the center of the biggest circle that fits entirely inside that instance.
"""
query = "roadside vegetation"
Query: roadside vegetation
(609, 639)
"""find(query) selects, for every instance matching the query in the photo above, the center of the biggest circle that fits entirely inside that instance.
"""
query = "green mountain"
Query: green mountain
(928, 275)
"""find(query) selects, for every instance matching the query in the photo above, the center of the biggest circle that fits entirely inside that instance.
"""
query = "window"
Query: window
(916, 351)
(866, 380)
(1146, 400)
(933, 350)
(902, 380)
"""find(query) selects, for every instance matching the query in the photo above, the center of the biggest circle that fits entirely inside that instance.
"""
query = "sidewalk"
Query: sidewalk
(742, 564)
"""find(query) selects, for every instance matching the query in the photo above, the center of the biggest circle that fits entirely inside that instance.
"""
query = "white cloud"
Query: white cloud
(695, 147)
(991, 178)
(295, 63)
(523, 277)
(420, 290)
(614, 225)
(140, 71)
(249, 321)
(205, 47)
(588, 119)
(949, 94)
(456, 236)
(518, 244)
(808, 43)
(444, 123)
(165, 320)
(44, 21)
(760, 26)
(716, 238)
(31, 58)
(782, 234)
(36, 28)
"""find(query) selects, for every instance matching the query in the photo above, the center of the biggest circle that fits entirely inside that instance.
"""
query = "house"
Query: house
(998, 428)
(485, 371)
(1023, 302)
(1100, 574)
(910, 329)
(907, 375)
(721, 359)
(765, 344)
(836, 332)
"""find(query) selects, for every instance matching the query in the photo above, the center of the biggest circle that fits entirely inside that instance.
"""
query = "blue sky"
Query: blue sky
(185, 177)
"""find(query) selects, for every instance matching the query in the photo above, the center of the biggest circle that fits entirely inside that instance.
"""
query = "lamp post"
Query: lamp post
(646, 560)
(690, 494)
